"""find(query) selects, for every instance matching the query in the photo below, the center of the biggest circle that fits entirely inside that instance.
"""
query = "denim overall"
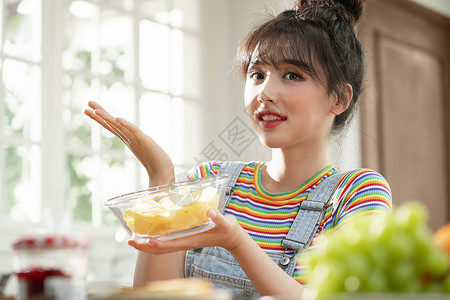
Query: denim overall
(219, 267)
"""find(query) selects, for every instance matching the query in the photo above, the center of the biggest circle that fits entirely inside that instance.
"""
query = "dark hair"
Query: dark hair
(318, 36)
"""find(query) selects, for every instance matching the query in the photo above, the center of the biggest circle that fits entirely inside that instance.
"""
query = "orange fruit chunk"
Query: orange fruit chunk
(151, 217)
(441, 237)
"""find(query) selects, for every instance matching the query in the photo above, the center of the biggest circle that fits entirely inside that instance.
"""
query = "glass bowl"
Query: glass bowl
(169, 211)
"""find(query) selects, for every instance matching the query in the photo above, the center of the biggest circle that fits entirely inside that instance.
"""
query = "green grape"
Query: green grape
(376, 280)
(379, 256)
(379, 228)
(351, 237)
(327, 278)
(446, 284)
(401, 275)
(392, 253)
(410, 216)
(352, 283)
(401, 247)
(414, 286)
(432, 287)
(357, 264)
(329, 284)
(423, 249)
(437, 263)
(384, 233)
(311, 256)
(334, 249)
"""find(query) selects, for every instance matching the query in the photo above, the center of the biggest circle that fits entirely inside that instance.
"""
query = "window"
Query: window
(20, 121)
(136, 58)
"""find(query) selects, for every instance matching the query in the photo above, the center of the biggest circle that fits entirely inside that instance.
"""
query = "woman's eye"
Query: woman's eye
(293, 76)
(256, 76)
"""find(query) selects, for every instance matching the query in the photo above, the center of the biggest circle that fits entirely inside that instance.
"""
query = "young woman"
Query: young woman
(303, 74)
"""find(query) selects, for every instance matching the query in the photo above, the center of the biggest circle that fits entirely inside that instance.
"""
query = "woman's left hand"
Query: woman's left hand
(226, 233)
(266, 276)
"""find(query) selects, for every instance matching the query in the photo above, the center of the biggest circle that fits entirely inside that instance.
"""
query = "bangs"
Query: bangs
(279, 42)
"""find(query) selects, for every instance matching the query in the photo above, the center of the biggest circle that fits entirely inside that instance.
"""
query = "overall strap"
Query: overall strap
(310, 214)
(233, 169)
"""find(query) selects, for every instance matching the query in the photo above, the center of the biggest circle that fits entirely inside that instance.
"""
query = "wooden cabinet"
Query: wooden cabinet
(405, 108)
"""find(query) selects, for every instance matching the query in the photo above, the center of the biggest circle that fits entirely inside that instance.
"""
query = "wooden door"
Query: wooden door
(405, 107)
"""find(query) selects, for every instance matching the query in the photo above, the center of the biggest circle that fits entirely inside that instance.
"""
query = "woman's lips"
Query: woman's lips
(270, 119)
(270, 124)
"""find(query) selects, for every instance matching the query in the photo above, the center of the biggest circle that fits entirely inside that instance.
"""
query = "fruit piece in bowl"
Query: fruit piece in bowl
(169, 211)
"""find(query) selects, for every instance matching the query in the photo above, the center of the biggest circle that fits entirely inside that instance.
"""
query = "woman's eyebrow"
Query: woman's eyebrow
(255, 62)
(293, 62)
(277, 64)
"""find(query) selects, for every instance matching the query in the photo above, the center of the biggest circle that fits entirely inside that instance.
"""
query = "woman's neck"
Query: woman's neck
(289, 169)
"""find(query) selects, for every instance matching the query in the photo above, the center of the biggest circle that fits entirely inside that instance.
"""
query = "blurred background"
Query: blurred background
(167, 66)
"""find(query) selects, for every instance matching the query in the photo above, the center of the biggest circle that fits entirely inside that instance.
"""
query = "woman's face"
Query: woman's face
(287, 108)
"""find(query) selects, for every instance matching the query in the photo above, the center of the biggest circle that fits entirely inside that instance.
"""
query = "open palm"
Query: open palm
(156, 161)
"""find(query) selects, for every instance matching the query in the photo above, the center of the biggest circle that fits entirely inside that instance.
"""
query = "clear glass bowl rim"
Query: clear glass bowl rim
(117, 200)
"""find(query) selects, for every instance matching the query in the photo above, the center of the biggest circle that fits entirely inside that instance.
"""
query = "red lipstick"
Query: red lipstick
(270, 119)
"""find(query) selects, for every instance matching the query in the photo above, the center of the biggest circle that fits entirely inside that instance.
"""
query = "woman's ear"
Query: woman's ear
(341, 103)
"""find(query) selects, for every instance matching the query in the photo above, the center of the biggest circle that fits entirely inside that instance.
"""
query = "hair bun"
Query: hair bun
(354, 7)
(351, 9)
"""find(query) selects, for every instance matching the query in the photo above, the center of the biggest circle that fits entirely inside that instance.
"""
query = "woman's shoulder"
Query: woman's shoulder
(362, 176)
(358, 192)
(362, 187)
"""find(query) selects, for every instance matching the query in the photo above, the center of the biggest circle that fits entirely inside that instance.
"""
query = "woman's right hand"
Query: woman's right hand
(156, 161)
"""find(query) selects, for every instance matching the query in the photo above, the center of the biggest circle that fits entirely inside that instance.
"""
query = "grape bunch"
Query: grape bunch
(389, 253)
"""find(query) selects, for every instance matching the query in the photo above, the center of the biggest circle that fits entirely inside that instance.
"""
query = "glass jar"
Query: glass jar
(50, 266)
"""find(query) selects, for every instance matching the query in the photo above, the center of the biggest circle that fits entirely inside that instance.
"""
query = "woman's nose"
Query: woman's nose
(269, 90)
(262, 98)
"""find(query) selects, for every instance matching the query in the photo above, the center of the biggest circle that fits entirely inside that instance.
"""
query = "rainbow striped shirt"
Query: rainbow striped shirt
(267, 216)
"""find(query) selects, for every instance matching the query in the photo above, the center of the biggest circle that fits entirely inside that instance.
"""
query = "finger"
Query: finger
(104, 114)
(113, 126)
(130, 126)
(90, 113)
(112, 121)
(108, 126)
(137, 245)
(133, 129)
(217, 218)
(94, 105)
(118, 132)
(118, 126)
(142, 246)
(156, 246)
(223, 223)
(98, 110)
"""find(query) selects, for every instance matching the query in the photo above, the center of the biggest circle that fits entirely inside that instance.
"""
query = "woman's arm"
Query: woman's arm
(151, 267)
(266, 276)
(160, 170)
